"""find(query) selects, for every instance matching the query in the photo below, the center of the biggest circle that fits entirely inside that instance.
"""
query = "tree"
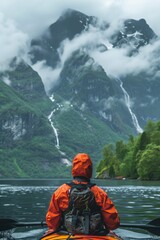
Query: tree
(123, 170)
(121, 150)
(108, 161)
(150, 127)
(140, 157)
(143, 141)
(108, 154)
(149, 163)
(156, 137)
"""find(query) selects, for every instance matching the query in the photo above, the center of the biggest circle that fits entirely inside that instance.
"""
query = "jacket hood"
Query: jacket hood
(82, 166)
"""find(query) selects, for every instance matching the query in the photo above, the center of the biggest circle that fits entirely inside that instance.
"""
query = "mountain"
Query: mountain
(134, 33)
(27, 143)
(85, 107)
(70, 24)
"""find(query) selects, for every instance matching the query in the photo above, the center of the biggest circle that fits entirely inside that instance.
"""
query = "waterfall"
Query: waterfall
(54, 129)
(63, 159)
(52, 125)
(128, 104)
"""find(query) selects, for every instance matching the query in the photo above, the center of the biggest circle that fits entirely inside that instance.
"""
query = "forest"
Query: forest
(139, 158)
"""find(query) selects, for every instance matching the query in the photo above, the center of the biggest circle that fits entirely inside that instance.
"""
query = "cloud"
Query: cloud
(12, 42)
(6, 80)
(48, 75)
(115, 61)
(118, 63)
(21, 21)
(82, 41)
(33, 16)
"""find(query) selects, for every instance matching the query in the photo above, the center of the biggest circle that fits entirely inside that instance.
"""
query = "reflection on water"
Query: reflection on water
(28, 200)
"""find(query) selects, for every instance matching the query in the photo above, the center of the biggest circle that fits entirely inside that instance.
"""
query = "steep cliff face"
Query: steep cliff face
(90, 89)
(70, 24)
(22, 97)
(134, 33)
(88, 83)
(27, 146)
(143, 90)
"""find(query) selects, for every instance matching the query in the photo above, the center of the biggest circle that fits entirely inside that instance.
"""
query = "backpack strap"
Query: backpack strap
(85, 212)
(86, 221)
(72, 210)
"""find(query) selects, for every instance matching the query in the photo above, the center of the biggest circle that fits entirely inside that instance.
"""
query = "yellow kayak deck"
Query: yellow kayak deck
(59, 236)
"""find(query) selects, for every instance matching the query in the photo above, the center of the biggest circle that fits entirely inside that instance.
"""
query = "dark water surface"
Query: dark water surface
(28, 200)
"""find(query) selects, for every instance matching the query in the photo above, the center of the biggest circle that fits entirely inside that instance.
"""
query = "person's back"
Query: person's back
(83, 215)
(97, 211)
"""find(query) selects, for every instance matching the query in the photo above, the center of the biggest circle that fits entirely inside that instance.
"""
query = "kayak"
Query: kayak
(59, 236)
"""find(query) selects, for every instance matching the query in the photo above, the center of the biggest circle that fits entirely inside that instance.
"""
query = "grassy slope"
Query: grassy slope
(30, 156)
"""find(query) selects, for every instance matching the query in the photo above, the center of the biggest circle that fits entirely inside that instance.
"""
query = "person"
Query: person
(60, 201)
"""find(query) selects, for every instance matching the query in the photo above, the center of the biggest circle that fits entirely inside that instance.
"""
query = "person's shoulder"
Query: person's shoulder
(64, 187)
(62, 190)
(98, 189)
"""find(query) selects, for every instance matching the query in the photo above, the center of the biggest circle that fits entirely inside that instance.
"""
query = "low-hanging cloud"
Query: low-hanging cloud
(21, 21)
(12, 41)
(33, 16)
(117, 61)
(48, 75)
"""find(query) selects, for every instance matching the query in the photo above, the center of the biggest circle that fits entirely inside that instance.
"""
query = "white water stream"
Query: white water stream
(63, 159)
(52, 125)
(128, 104)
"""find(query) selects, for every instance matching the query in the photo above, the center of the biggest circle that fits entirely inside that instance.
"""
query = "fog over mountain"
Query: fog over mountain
(20, 22)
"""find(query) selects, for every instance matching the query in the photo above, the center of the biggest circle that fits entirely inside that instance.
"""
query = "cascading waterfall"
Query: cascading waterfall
(64, 160)
(128, 104)
(54, 129)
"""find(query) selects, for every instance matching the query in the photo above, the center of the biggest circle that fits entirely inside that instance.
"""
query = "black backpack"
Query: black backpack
(83, 215)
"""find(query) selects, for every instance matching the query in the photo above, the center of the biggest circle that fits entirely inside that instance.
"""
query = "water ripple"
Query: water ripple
(21, 202)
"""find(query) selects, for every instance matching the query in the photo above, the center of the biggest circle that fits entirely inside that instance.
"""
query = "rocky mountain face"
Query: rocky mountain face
(85, 107)
(26, 143)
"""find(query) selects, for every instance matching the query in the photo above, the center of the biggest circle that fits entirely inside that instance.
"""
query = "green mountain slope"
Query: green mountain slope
(27, 144)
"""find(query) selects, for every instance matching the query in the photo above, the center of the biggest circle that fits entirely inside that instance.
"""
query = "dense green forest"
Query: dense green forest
(138, 158)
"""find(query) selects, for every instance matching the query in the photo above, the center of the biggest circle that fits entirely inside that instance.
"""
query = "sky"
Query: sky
(32, 16)
(21, 21)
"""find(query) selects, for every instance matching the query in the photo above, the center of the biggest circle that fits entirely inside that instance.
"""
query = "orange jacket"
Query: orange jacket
(82, 167)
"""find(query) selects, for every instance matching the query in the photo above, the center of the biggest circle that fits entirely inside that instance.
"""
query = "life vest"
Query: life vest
(83, 215)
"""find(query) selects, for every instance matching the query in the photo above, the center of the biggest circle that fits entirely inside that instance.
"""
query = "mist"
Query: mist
(115, 61)
(21, 21)
(12, 41)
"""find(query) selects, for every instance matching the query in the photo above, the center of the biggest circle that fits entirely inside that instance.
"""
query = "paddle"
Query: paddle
(6, 224)
(152, 227)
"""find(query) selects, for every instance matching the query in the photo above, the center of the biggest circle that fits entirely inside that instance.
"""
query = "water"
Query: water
(52, 125)
(64, 160)
(128, 104)
(28, 200)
